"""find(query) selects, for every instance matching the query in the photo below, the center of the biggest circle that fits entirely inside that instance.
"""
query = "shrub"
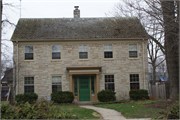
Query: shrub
(105, 96)
(138, 94)
(62, 97)
(26, 97)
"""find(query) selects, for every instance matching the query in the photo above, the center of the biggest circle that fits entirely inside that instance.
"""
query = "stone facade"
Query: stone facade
(43, 67)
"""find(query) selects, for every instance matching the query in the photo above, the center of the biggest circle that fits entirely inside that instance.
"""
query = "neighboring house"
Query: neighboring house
(160, 78)
(82, 55)
(6, 82)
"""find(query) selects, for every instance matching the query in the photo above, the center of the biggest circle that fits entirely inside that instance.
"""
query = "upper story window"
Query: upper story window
(28, 84)
(56, 52)
(132, 50)
(134, 81)
(83, 52)
(108, 52)
(29, 53)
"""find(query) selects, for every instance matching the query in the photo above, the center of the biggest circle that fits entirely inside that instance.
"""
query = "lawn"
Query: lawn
(81, 113)
(4, 102)
(133, 110)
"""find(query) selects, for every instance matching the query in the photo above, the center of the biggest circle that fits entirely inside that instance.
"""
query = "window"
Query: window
(132, 50)
(92, 84)
(108, 53)
(109, 82)
(134, 81)
(83, 52)
(28, 84)
(56, 52)
(75, 85)
(28, 52)
(56, 83)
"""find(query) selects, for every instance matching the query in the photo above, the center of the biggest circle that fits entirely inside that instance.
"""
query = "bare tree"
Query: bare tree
(165, 15)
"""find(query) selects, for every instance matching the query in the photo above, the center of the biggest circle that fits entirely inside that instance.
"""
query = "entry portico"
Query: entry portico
(84, 82)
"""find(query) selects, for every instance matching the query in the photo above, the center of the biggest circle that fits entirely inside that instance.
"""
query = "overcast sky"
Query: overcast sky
(53, 9)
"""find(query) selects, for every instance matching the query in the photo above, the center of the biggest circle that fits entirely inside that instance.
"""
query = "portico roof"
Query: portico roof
(84, 67)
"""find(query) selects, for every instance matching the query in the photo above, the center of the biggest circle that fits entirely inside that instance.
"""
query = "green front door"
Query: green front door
(84, 89)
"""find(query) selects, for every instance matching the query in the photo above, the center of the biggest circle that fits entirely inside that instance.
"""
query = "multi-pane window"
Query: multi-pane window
(109, 82)
(83, 52)
(92, 84)
(134, 81)
(56, 52)
(75, 85)
(28, 84)
(28, 52)
(132, 50)
(56, 83)
(108, 52)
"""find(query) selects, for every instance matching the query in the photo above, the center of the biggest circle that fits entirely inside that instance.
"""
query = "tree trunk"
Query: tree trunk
(171, 46)
(154, 74)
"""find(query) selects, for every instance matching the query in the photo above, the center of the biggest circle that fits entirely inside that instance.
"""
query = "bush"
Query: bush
(62, 97)
(138, 94)
(105, 96)
(26, 97)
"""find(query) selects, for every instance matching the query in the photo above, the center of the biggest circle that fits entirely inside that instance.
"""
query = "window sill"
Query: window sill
(53, 60)
(29, 60)
(84, 59)
(133, 58)
(108, 59)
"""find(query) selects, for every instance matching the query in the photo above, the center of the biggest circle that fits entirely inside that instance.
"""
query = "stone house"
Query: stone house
(82, 55)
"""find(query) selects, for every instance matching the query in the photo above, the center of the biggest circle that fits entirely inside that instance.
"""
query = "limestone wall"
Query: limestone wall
(43, 67)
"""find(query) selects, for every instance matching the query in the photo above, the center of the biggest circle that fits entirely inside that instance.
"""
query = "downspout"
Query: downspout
(143, 63)
(17, 69)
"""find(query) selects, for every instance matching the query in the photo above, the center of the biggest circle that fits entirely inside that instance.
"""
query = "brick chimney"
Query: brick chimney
(76, 12)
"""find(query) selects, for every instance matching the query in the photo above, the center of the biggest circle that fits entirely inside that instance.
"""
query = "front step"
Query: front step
(85, 102)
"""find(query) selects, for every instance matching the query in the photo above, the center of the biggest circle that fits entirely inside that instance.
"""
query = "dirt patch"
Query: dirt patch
(161, 104)
(96, 115)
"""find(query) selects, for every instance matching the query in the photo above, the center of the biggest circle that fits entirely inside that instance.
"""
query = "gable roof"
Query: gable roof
(79, 28)
(8, 77)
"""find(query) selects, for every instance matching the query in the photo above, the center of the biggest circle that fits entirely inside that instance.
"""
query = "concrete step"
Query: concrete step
(85, 102)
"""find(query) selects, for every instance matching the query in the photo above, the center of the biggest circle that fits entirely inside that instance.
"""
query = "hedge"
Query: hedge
(26, 97)
(62, 97)
(138, 94)
(105, 96)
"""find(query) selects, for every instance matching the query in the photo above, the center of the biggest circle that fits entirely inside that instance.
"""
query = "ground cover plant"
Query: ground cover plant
(46, 110)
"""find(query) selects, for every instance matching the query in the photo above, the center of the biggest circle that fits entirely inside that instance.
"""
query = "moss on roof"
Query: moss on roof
(80, 28)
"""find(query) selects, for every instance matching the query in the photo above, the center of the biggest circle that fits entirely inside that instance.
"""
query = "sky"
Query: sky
(52, 9)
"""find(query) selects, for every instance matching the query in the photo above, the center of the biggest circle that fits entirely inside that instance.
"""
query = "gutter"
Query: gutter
(143, 63)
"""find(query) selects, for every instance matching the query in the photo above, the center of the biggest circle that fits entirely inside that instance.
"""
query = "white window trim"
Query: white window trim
(87, 52)
(26, 84)
(57, 52)
(137, 51)
(57, 84)
(109, 82)
(25, 52)
(106, 51)
(134, 82)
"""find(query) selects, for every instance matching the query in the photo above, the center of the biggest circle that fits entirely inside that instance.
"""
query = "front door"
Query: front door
(84, 89)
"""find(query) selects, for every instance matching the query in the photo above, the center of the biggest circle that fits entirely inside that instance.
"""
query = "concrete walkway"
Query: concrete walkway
(109, 114)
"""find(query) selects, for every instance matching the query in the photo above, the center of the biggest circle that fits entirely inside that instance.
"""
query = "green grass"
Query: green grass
(4, 102)
(81, 113)
(133, 110)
